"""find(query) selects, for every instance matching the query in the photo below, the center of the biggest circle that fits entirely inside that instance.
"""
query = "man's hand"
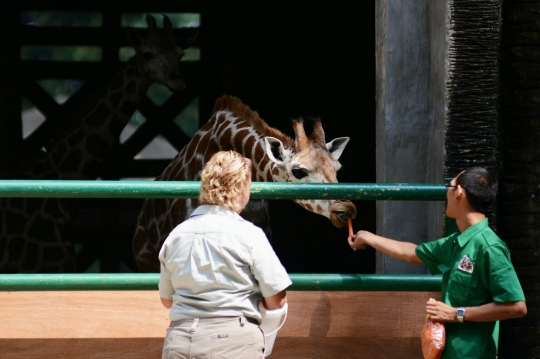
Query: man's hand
(440, 312)
(358, 240)
(397, 249)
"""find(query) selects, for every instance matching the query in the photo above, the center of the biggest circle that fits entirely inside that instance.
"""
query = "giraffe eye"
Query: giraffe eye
(147, 56)
(299, 173)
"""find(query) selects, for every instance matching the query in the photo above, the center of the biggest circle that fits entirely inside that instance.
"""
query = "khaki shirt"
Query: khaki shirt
(218, 264)
(476, 270)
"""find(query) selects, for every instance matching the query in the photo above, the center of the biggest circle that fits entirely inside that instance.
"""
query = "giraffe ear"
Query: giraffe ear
(274, 150)
(186, 39)
(336, 146)
(134, 37)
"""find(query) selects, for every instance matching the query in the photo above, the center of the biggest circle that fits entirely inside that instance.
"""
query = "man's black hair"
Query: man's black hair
(481, 188)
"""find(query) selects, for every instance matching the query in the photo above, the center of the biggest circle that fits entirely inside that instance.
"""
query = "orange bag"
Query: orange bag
(433, 339)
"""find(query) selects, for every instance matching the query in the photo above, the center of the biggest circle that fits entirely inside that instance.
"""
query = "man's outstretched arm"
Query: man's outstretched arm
(396, 249)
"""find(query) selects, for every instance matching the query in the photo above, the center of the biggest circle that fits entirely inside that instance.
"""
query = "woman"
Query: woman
(216, 267)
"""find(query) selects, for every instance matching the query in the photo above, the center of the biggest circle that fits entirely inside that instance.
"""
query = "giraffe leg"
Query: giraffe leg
(145, 257)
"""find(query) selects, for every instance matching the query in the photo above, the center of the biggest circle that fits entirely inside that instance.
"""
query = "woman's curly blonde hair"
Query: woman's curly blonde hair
(224, 178)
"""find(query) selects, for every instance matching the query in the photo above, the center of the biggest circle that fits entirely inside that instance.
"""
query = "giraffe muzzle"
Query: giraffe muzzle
(344, 217)
(340, 212)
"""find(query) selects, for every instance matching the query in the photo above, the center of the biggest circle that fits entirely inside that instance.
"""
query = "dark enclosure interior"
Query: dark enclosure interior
(283, 59)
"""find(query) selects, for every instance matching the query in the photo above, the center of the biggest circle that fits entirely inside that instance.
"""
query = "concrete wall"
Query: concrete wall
(410, 93)
(438, 13)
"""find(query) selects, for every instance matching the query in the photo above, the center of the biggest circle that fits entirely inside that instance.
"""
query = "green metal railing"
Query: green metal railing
(189, 189)
(149, 281)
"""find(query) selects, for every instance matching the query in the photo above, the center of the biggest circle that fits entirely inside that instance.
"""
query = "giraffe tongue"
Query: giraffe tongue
(346, 217)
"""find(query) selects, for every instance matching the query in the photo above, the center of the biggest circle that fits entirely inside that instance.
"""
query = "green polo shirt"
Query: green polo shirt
(476, 270)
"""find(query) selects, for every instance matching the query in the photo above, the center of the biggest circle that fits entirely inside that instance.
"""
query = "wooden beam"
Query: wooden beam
(81, 36)
(118, 5)
(76, 70)
(107, 324)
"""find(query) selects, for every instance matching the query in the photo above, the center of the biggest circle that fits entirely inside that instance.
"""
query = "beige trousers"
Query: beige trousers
(214, 338)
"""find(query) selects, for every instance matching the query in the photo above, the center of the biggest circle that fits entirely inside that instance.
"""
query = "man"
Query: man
(479, 283)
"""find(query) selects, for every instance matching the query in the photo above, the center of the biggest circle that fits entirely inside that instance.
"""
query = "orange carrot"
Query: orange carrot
(349, 221)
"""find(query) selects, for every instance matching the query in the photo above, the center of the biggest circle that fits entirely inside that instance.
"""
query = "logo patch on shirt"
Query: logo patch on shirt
(220, 336)
(466, 264)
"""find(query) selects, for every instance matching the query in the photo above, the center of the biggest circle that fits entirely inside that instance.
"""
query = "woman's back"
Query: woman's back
(211, 260)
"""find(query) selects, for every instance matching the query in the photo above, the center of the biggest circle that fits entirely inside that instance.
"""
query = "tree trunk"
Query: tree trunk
(472, 89)
(519, 189)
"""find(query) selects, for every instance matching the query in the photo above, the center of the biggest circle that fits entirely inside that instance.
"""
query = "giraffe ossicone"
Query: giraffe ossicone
(275, 158)
(308, 161)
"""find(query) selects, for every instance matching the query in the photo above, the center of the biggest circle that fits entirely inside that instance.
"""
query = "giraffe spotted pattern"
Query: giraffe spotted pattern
(275, 158)
(31, 229)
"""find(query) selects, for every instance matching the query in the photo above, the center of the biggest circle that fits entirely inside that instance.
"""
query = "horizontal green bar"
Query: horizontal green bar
(85, 281)
(366, 282)
(98, 189)
(190, 189)
(149, 281)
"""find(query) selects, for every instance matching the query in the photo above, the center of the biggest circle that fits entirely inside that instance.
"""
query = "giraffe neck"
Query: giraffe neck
(225, 132)
(78, 151)
(249, 141)
(74, 153)
(234, 126)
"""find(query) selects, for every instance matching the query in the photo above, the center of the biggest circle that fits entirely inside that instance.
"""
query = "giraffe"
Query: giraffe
(275, 157)
(31, 238)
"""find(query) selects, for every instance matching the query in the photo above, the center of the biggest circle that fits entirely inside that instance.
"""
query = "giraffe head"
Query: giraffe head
(311, 159)
(159, 53)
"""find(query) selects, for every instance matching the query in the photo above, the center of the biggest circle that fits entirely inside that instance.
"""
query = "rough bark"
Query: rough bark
(473, 87)
(519, 213)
